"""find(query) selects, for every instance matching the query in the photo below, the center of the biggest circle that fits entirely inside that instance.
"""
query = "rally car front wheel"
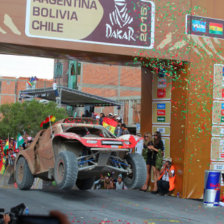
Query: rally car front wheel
(137, 177)
(65, 170)
(24, 177)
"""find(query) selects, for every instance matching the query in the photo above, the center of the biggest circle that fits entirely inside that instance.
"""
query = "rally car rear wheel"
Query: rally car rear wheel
(66, 170)
(85, 184)
(24, 177)
(137, 177)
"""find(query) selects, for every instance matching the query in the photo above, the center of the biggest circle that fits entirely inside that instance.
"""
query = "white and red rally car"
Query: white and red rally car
(76, 151)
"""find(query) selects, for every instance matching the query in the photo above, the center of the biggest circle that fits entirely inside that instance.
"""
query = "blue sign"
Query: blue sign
(222, 106)
(198, 26)
(161, 106)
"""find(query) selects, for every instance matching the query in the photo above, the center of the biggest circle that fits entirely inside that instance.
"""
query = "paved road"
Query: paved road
(113, 207)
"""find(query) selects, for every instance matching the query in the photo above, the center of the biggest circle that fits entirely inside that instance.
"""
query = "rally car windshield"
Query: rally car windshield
(91, 132)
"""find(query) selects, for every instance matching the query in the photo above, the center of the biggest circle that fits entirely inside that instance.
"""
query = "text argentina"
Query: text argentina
(88, 4)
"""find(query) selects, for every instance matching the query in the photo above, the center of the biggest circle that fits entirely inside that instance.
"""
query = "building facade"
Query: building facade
(10, 87)
(120, 83)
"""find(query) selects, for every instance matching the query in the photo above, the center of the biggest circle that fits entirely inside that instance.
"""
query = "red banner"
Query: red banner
(161, 112)
(161, 93)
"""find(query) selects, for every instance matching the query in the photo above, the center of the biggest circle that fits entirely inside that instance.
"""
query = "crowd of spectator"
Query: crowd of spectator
(109, 182)
(114, 117)
(9, 149)
(121, 128)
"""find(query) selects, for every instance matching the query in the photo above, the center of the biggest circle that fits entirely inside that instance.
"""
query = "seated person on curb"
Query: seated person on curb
(120, 184)
(108, 182)
(167, 177)
(99, 184)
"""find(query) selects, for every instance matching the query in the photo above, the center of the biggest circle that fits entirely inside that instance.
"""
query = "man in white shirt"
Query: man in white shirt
(139, 145)
(55, 88)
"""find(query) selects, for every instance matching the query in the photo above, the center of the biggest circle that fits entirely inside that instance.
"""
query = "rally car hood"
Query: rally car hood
(125, 141)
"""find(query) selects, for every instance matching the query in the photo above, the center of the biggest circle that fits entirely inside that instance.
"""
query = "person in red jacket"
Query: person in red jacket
(166, 180)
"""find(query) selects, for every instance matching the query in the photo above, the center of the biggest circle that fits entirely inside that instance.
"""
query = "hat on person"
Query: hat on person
(168, 159)
(120, 175)
(110, 114)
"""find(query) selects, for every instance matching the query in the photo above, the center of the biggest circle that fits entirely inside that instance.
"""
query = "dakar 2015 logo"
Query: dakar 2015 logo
(122, 23)
(120, 18)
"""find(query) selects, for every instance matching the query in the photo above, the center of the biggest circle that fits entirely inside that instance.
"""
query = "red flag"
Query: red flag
(47, 120)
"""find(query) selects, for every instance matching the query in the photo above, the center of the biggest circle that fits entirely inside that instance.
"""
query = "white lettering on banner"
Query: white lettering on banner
(119, 17)
(120, 34)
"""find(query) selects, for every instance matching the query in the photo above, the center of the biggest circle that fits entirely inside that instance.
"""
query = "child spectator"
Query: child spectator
(120, 184)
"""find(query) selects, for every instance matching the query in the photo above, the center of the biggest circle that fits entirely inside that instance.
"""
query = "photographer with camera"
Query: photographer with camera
(16, 216)
(166, 180)
(6, 219)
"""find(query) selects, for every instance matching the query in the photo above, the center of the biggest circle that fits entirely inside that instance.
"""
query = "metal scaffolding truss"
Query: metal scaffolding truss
(66, 96)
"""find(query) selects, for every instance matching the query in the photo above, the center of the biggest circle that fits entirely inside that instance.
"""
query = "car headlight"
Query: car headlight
(91, 141)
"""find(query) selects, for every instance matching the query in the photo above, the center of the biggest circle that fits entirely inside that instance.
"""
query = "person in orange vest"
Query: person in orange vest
(166, 180)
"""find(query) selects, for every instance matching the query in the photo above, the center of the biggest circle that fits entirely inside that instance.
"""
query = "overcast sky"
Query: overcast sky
(22, 66)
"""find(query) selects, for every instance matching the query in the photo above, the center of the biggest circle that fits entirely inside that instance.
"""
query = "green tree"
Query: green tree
(27, 117)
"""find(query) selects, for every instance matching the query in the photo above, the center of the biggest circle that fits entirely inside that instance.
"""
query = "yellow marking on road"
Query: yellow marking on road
(150, 221)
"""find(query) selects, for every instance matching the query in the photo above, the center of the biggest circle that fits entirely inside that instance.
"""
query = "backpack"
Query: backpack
(144, 152)
(159, 159)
